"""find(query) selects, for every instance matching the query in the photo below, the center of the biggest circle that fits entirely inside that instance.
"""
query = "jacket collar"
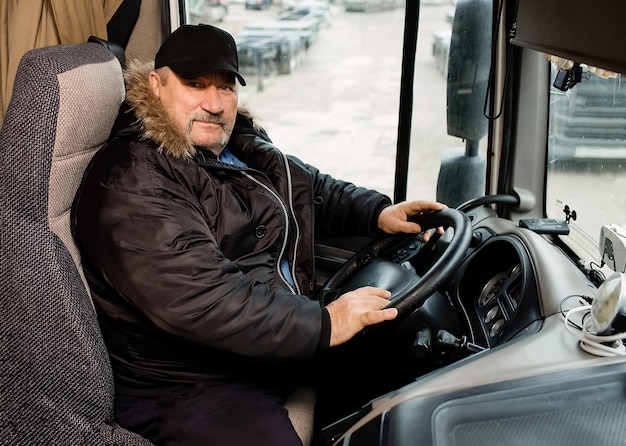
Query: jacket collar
(151, 116)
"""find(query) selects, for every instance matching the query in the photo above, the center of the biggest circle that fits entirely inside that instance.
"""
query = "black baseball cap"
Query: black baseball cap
(194, 50)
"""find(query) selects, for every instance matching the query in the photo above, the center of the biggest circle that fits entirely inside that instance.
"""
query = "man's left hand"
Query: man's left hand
(394, 219)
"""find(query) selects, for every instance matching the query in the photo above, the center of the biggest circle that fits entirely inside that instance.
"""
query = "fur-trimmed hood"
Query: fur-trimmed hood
(152, 119)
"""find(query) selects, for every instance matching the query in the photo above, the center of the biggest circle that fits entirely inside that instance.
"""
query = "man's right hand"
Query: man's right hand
(357, 309)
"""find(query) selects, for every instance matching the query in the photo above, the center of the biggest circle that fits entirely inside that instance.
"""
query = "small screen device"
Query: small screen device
(545, 225)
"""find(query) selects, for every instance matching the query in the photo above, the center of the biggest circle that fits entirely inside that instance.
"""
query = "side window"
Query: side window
(586, 154)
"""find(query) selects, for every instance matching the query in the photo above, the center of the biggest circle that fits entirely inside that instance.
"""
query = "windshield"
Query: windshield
(586, 155)
(324, 79)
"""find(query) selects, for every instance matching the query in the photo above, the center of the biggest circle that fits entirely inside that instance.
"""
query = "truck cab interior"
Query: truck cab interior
(511, 322)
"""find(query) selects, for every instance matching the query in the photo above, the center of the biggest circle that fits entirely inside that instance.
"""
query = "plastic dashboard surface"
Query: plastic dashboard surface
(574, 408)
(497, 290)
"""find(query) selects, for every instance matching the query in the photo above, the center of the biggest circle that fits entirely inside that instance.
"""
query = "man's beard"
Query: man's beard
(218, 146)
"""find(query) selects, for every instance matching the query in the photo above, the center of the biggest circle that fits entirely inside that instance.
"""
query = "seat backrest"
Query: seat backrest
(56, 383)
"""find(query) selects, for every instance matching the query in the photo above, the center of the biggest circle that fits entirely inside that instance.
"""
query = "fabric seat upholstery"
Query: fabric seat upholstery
(55, 375)
(56, 379)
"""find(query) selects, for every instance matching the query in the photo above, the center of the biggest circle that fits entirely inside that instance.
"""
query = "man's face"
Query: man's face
(204, 108)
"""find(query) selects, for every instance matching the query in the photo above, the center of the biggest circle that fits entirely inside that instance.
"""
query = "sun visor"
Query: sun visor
(562, 28)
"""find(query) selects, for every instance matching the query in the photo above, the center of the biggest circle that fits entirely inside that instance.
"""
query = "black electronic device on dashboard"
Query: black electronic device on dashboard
(545, 225)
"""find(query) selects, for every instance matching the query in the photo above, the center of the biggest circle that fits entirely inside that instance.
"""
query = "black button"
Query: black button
(260, 231)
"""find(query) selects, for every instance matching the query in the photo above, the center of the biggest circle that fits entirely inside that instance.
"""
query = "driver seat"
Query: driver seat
(55, 373)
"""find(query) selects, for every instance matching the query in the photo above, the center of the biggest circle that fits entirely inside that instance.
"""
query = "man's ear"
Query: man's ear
(155, 82)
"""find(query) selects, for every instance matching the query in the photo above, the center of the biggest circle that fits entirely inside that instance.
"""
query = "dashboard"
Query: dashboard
(505, 299)
(495, 290)
(490, 299)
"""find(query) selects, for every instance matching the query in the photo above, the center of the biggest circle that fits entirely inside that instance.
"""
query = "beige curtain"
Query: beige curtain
(28, 24)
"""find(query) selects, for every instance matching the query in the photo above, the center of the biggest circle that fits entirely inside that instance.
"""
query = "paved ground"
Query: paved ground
(346, 124)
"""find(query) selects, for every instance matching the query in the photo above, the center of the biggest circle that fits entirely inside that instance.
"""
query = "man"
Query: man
(197, 241)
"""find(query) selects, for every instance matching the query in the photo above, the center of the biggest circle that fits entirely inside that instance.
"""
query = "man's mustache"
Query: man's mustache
(208, 117)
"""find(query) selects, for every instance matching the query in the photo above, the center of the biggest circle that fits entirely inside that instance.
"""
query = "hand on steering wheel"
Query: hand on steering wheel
(369, 268)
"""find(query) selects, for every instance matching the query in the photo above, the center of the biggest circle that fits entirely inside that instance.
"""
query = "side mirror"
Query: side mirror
(462, 171)
(469, 64)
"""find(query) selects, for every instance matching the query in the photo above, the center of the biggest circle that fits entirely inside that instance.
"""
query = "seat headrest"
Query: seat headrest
(116, 49)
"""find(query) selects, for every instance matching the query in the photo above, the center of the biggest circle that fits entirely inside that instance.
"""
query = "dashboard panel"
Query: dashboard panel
(496, 290)
(505, 298)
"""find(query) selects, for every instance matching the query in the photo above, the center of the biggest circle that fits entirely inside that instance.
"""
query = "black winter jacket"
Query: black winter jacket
(182, 253)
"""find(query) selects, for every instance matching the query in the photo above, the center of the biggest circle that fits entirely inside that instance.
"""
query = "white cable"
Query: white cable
(593, 343)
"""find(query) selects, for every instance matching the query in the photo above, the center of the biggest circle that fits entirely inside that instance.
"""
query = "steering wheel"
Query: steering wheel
(368, 267)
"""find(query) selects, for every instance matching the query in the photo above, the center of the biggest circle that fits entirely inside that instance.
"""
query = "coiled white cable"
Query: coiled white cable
(598, 345)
